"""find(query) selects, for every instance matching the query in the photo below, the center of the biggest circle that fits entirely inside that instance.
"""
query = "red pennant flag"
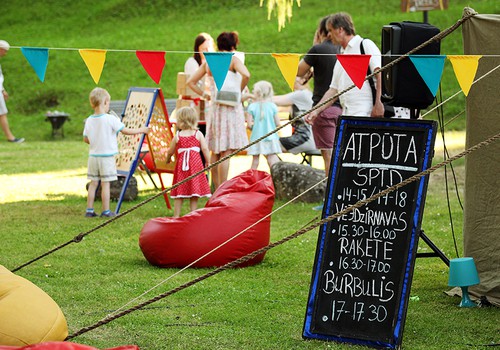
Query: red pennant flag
(153, 62)
(355, 66)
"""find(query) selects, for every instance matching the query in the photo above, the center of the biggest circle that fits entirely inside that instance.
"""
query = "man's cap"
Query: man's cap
(4, 45)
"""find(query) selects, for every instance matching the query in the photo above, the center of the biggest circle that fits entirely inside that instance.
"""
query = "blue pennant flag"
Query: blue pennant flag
(430, 68)
(219, 63)
(38, 58)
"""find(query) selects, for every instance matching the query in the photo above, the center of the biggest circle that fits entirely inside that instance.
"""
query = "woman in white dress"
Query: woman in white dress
(226, 131)
(203, 43)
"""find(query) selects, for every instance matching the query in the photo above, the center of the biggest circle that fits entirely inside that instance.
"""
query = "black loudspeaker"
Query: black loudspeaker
(401, 84)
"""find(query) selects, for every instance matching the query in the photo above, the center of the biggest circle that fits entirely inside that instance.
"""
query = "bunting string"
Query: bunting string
(193, 52)
(465, 66)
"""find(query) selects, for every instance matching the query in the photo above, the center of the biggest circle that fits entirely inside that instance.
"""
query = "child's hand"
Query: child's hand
(247, 96)
(309, 119)
(146, 129)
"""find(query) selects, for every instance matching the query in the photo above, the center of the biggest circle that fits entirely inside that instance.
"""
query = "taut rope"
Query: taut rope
(78, 238)
(286, 239)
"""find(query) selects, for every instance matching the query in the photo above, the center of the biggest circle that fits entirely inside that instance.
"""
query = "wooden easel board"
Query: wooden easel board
(161, 135)
(138, 108)
(143, 107)
(364, 260)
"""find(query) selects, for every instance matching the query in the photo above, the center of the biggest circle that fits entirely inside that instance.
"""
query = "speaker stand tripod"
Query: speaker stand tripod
(437, 252)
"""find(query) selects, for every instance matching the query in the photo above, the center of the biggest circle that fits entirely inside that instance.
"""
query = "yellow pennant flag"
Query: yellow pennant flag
(465, 68)
(288, 64)
(94, 59)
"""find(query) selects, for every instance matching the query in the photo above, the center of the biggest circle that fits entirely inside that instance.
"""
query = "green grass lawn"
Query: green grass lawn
(260, 307)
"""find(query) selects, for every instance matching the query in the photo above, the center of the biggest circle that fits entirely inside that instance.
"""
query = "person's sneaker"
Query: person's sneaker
(107, 214)
(90, 214)
(17, 140)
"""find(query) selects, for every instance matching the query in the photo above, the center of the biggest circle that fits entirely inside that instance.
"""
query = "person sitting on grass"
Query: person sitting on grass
(100, 132)
(300, 101)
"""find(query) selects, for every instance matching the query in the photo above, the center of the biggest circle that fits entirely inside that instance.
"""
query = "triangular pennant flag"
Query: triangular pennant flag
(94, 59)
(356, 67)
(38, 58)
(153, 62)
(465, 68)
(288, 64)
(219, 63)
(430, 68)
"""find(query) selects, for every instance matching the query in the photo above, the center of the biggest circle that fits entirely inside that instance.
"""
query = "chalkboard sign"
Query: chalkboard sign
(364, 260)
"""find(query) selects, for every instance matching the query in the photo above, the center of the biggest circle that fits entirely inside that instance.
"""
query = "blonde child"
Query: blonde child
(188, 142)
(262, 118)
(100, 132)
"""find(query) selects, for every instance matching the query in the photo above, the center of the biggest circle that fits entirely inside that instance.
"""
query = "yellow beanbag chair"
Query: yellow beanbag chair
(27, 314)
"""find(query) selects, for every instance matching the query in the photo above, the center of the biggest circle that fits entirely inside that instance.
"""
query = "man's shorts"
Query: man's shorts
(102, 168)
(324, 127)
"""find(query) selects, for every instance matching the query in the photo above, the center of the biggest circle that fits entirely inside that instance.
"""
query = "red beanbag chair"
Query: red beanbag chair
(235, 206)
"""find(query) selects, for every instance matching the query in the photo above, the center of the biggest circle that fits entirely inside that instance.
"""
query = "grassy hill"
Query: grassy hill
(123, 26)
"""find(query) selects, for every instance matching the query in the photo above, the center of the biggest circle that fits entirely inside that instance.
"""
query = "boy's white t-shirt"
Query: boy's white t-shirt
(102, 131)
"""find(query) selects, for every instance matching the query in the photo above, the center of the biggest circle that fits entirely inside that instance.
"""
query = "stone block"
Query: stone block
(291, 179)
(116, 188)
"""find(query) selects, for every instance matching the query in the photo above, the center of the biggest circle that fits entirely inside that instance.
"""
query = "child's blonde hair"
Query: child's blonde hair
(263, 90)
(187, 118)
(98, 96)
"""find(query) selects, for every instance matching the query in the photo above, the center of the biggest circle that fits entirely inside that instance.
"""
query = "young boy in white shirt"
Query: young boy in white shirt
(100, 132)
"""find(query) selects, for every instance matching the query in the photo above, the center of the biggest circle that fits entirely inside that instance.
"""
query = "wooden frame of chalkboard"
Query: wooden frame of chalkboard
(364, 260)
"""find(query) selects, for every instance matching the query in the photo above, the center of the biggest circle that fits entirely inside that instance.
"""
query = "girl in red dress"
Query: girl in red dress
(188, 142)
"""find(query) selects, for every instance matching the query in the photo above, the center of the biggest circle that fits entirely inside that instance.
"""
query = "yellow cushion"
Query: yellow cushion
(28, 315)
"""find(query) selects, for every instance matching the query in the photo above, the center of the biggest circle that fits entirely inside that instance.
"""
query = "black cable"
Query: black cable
(451, 165)
(445, 157)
